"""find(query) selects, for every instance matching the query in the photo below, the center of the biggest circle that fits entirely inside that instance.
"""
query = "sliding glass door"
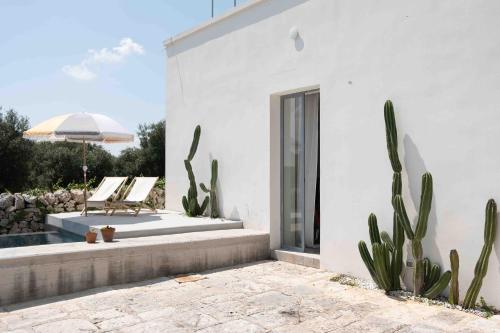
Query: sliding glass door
(300, 176)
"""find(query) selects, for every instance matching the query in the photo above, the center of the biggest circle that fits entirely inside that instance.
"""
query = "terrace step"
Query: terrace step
(298, 258)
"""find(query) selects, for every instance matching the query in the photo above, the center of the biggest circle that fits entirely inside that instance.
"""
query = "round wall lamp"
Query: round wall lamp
(293, 33)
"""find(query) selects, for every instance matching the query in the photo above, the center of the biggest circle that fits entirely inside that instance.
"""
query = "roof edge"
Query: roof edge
(230, 13)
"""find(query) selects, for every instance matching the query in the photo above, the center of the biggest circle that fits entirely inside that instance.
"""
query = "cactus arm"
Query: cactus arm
(433, 277)
(204, 205)
(387, 239)
(391, 136)
(396, 268)
(373, 229)
(454, 297)
(482, 264)
(367, 259)
(185, 203)
(400, 209)
(425, 206)
(380, 263)
(194, 143)
(438, 287)
(204, 188)
(427, 268)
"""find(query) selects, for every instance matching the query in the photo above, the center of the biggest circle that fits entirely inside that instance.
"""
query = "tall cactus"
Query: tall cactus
(482, 264)
(214, 205)
(190, 203)
(454, 296)
(420, 230)
(394, 245)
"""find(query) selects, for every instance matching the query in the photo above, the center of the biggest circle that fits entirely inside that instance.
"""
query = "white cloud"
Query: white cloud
(79, 72)
(117, 54)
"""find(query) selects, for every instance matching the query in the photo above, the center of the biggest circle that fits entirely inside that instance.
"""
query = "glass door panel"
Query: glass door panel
(293, 172)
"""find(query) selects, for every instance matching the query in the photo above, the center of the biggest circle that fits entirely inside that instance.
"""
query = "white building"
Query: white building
(263, 69)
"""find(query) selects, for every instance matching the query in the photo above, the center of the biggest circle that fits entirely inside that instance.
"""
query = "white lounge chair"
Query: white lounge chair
(107, 191)
(136, 195)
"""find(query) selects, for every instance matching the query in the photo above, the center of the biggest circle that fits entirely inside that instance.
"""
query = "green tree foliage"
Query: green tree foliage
(26, 165)
(60, 163)
(152, 142)
(129, 163)
(14, 150)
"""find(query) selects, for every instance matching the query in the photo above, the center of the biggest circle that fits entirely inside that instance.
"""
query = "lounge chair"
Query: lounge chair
(107, 191)
(135, 195)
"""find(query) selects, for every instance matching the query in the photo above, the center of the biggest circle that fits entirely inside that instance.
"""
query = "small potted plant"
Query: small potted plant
(91, 236)
(108, 233)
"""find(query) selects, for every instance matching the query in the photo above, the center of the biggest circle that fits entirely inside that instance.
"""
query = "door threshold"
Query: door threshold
(297, 258)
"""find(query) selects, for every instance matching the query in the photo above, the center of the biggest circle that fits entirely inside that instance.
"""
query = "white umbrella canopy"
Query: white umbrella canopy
(80, 127)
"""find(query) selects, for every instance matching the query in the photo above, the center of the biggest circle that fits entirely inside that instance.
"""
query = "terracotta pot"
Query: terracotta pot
(90, 237)
(108, 234)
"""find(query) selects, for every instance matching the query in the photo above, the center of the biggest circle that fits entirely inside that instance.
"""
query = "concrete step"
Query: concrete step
(34, 272)
(298, 258)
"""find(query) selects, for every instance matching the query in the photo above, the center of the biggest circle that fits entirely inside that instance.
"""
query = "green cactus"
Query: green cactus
(438, 287)
(386, 265)
(394, 245)
(420, 230)
(190, 203)
(391, 136)
(214, 205)
(367, 258)
(454, 297)
(482, 264)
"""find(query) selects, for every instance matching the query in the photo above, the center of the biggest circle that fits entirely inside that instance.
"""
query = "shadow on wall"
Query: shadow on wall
(299, 43)
(415, 168)
(247, 17)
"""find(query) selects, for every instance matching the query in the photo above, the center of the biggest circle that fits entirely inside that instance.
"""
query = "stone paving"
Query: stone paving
(261, 297)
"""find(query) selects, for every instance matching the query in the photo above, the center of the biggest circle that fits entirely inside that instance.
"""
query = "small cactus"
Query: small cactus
(438, 287)
(190, 202)
(214, 205)
(482, 264)
(454, 297)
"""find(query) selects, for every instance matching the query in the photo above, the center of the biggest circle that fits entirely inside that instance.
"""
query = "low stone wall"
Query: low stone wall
(31, 273)
(23, 213)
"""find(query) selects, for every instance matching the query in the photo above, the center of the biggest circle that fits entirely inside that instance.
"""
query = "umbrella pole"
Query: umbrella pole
(85, 176)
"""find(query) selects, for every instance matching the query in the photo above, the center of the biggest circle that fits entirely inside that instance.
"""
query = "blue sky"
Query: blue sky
(46, 68)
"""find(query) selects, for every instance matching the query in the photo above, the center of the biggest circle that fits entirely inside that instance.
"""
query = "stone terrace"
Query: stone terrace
(262, 297)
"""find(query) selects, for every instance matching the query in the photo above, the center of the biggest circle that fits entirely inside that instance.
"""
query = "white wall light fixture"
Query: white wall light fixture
(293, 33)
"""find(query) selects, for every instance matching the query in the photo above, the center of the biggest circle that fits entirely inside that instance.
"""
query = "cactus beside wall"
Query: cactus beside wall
(190, 203)
(454, 296)
(482, 264)
(392, 248)
(214, 205)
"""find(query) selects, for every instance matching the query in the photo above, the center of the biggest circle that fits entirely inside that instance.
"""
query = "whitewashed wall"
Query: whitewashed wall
(437, 60)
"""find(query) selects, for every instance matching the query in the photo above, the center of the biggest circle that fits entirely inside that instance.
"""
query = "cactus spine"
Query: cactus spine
(190, 203)
(214, 205)
(454, 297)
(482, 264)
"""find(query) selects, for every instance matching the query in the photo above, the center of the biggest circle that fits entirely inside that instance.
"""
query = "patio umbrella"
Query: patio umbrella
(80, 127)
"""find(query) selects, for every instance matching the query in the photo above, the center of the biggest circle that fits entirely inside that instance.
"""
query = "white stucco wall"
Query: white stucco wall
(437, 60)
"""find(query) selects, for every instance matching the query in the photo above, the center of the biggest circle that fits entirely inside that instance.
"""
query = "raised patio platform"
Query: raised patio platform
(145, 224)
(34, 272)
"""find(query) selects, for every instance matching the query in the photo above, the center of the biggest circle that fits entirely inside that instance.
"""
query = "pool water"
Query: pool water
(39, 238)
